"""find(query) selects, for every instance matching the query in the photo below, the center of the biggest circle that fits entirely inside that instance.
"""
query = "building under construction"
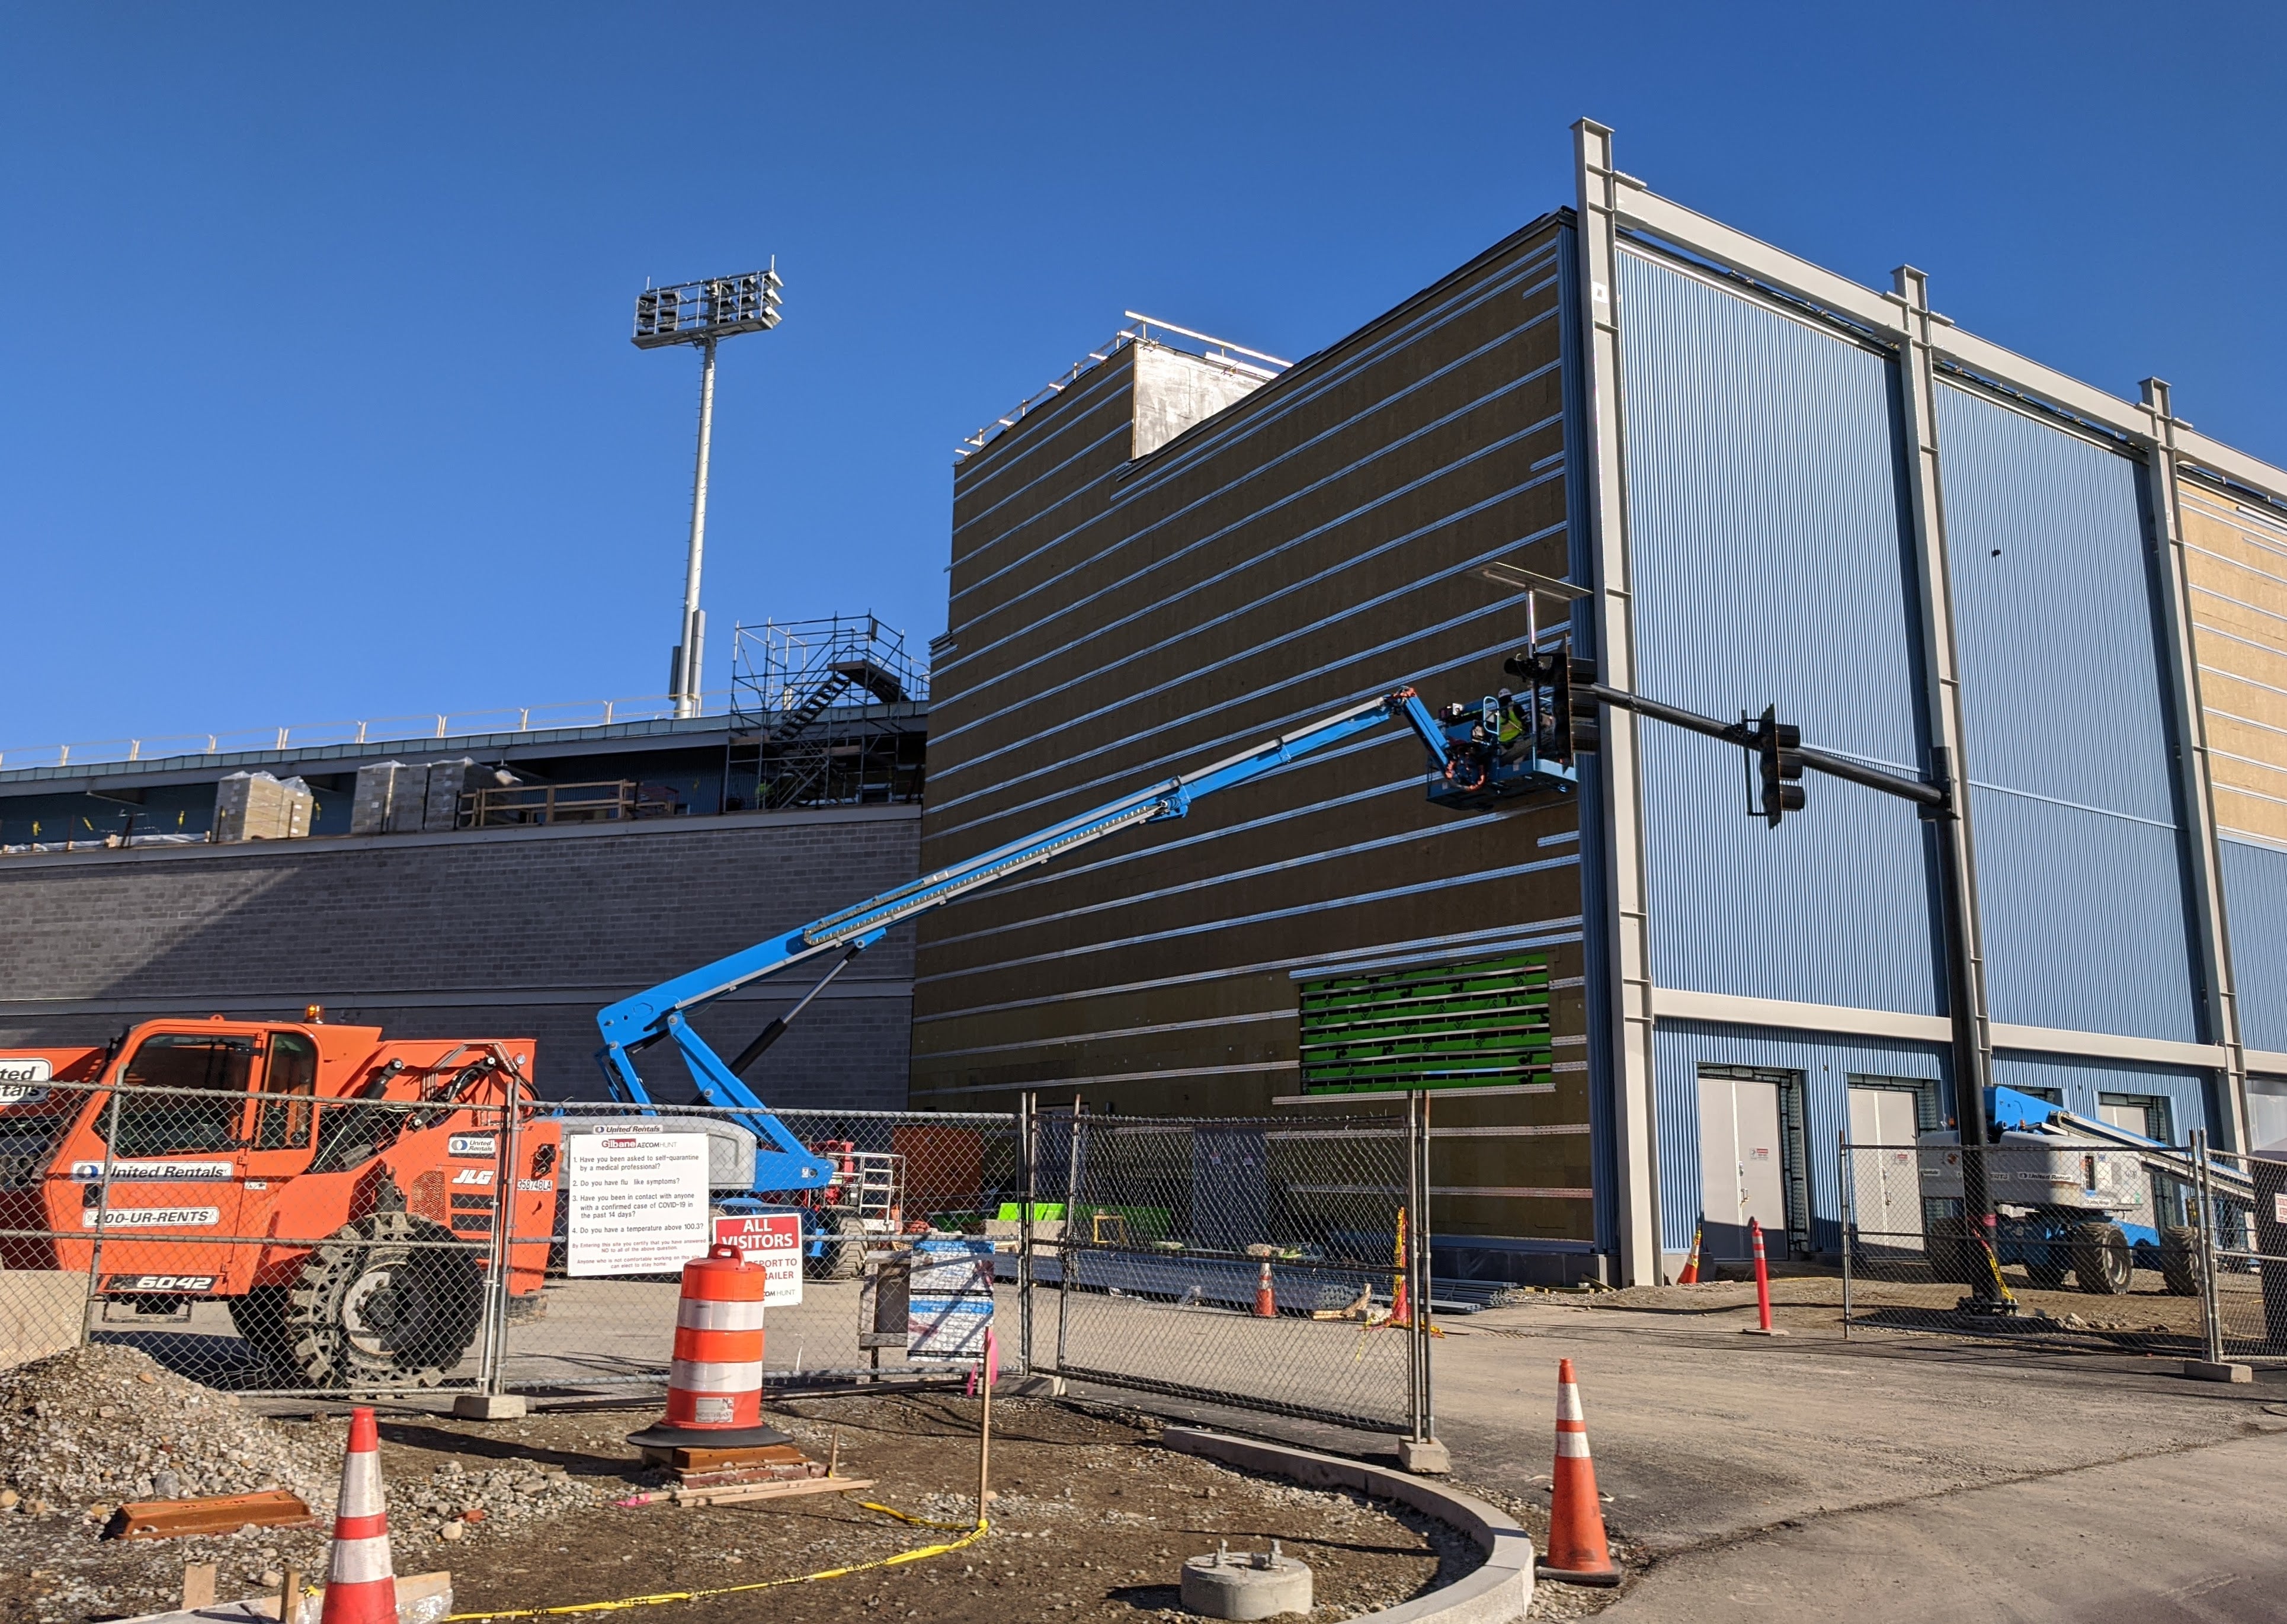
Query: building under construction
(1774, 489)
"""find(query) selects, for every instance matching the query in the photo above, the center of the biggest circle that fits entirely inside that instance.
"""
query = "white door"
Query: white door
(1741, 1172)
(1886, 1189)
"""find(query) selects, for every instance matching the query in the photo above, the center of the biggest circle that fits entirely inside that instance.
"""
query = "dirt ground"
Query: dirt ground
(1093, 1518)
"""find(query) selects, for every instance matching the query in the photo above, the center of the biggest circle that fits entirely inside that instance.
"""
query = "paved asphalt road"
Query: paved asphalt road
(1892, 1477)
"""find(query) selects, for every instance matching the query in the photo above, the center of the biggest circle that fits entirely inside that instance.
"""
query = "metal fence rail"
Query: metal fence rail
(2178, 1251)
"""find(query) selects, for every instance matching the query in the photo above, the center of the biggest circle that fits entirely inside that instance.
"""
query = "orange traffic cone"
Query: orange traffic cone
(1691, 1275)
(361, 1584)
(1577, 1552)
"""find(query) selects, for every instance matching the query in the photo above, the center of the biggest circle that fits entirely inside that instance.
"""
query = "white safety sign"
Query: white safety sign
(949, 1300)
(772, 1240)
(146, 1172)
(636, 1202)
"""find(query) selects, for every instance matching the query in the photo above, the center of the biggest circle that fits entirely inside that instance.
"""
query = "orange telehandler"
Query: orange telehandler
(338, 1190)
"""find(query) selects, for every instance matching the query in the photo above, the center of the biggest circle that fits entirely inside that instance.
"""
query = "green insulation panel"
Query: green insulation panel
(1428, 1026)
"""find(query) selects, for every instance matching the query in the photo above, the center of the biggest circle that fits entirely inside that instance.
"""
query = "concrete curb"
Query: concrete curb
(1495, 1593)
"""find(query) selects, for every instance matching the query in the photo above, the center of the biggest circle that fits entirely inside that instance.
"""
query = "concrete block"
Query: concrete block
(253, 807)
(1263, 1584)
(491, 1406)
(41, 1312)
(373, 802)
(1424, 1457)
(447, 780)
(2203, 1370)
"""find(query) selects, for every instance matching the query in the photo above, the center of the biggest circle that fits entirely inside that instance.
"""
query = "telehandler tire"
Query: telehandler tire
(372, 1309)
(841, 1249)
(260, 1316)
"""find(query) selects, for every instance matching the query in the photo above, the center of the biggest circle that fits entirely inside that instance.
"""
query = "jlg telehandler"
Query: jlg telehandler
(336, 1190)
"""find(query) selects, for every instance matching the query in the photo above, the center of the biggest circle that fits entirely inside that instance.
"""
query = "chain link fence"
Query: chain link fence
(264, 1240)
(215, 1212)
(2161, 1250)
(1261, 1263)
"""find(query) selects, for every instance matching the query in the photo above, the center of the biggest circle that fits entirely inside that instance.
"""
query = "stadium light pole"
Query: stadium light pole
(702, 313)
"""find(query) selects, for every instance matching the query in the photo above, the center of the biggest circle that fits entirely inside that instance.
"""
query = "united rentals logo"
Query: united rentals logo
(472, 1145)
(20, 1081)
(123, 1172)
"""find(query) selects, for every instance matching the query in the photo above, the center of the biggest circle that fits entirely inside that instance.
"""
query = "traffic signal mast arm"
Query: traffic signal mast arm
(663, 1011)
(1748, 736)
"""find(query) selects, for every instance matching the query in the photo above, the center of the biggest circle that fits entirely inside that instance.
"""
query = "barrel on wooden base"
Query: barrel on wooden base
(714, 1388)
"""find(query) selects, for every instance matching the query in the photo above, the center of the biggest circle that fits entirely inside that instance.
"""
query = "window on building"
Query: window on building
(206, 1075)
(2145, 1113)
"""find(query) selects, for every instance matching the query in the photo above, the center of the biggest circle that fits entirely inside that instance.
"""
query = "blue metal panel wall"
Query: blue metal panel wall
(2080, 1081)
(2255, 905)
(1826, 1062)
(1771, 567)
(2080, 869)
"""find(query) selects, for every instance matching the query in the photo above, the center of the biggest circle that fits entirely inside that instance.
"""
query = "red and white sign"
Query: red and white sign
(774, 1240)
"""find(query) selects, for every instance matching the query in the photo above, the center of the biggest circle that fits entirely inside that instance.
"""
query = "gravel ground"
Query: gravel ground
(1092, 1518)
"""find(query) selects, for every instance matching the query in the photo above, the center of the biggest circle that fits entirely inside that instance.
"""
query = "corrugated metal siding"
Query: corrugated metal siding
(2085, 904)
(2255, 903)
(1825, 1061)
(1771, 567)
(2081, 1081)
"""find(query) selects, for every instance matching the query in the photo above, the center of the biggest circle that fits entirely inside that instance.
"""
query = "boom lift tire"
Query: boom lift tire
(371, 1309)
(2180, 1264)
(842, 1248)
(2102, 1260)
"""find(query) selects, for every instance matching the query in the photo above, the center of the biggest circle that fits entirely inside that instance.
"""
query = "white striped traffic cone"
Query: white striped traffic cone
(1577, 1554)
(361, 1584)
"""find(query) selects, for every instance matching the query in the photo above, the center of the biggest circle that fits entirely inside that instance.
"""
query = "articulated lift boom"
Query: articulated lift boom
(1471, 766)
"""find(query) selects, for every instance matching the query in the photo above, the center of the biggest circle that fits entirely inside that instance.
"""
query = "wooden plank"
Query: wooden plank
(167, 1519)
(740, 1494)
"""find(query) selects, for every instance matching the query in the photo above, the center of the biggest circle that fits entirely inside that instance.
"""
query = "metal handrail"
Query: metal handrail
(380, 730)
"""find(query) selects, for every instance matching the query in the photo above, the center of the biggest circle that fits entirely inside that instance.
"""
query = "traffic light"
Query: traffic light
(1568, 726)
(1580, 712)
(1778, 748)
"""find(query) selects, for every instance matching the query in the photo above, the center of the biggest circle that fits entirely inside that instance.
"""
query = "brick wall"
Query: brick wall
(502, 933)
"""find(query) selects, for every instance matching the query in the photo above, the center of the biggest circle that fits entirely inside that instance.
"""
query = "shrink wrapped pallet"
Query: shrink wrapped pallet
(301, 808)
(448, 782)
(380, 786)
(251, 806)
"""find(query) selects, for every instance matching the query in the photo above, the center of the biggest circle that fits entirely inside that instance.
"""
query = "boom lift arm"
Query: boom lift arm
(663, 1011)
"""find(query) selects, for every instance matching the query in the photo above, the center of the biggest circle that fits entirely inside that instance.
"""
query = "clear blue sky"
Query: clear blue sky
(316, 399)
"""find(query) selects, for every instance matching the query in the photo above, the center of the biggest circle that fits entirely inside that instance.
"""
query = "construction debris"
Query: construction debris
(85, 1429)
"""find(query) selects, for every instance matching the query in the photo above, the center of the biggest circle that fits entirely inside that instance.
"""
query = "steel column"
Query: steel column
(2219, 1000)
(1601, 464)
(1967, 1010)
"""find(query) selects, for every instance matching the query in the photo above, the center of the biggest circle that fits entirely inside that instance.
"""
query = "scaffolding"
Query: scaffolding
(830, 712)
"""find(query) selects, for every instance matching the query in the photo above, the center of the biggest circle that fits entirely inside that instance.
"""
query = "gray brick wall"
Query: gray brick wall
(504, 933)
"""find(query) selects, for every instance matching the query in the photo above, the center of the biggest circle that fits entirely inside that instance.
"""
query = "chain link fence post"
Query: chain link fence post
(102, 1221)
(1027, 1194)
(1068, 1244)
(1849, 1223)
(2210, 1314)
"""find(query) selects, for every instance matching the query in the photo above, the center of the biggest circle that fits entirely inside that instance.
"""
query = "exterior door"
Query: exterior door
(1741, 1170)
(1885, 1191)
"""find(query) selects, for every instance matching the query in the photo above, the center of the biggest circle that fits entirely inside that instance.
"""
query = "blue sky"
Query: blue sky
(316, 399)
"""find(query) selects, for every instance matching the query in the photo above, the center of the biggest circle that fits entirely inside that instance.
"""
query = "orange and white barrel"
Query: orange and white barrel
(714, 1385)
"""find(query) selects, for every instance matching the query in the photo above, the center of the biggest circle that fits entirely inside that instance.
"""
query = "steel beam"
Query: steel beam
(1601, 464)
(2219, 998)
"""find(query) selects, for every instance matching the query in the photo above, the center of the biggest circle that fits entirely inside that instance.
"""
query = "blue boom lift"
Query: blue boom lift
(1505, 746)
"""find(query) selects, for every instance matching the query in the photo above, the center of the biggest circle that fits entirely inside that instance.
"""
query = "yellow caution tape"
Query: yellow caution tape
(920, 1553)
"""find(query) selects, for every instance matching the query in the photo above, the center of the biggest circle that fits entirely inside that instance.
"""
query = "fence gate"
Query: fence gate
(1264, 1264)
